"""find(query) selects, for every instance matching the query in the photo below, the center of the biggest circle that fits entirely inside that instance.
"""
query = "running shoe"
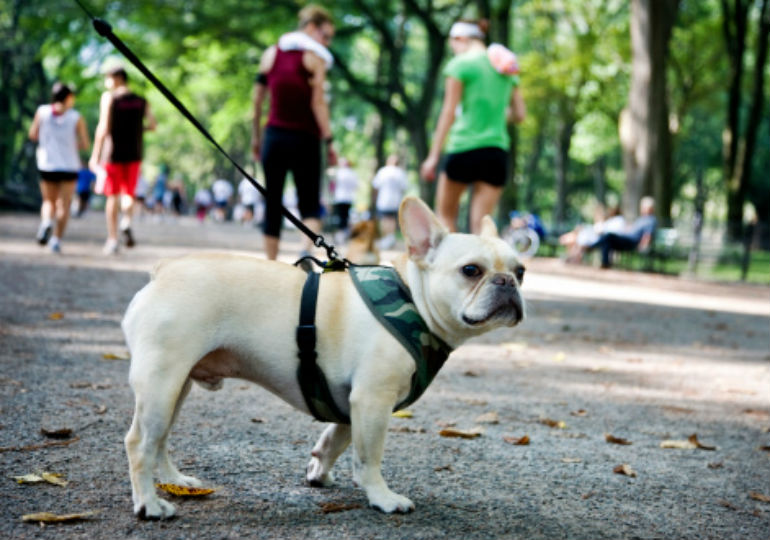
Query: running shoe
(128, 237)
(44, 233)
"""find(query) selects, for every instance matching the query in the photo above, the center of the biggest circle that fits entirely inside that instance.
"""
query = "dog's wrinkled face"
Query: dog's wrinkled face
(469, 284)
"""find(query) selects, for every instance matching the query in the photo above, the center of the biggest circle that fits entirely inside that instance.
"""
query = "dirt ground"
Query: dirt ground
(641, 357)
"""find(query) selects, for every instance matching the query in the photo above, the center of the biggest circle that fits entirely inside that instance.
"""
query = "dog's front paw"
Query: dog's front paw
(317, 475)
(390, 502)
(154, 509)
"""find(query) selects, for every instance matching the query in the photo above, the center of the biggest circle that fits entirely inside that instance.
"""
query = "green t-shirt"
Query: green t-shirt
(480, 118)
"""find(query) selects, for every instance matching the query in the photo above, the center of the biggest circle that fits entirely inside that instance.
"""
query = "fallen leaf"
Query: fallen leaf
(517, 441)
(462, 434)
(694, 439)
(258, 420)
(403, 413)
(54, 478)
(406, 429)
(716, 465)
(571, 460)
(100, 409)
(184, 491)
(616, 440)
(445, 423)
(113, 356)
(579, 412)
(60, 433)
(553, 423)
(56, 316)
(588, 495)
(470, 373)
(678, 445)
(488, 418)
(759, 496)
(48, 517)
(766, 447)
(625, 469)
(675, 409)
(443, 468)
(727, 504)
(332, 507)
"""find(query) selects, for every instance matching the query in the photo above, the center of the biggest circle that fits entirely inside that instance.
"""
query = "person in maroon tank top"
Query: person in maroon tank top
(292, 73)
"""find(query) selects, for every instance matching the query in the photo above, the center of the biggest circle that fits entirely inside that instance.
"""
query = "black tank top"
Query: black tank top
(127, 128)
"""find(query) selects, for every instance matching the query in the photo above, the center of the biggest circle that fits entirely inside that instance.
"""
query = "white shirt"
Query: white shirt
(57, 148)
(248, 193)
(202, 197)
(390, 183)
(345, 185)
(222, 189)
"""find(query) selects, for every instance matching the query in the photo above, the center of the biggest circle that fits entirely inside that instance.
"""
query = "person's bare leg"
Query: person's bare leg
(448, 195)
(49, 191)
(111, 210)
(271, 247)
(314, 224)
(483, 202)
(63, 203)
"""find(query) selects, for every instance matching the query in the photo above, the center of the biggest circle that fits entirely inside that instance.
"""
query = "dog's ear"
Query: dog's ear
(488, 227)
(422, 231)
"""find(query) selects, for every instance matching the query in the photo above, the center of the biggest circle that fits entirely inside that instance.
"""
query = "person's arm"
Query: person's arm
(102, 130)
(150, 123)
(452, 95)
(260, 93)
(518, 110)
(318, 104)
(82, 134)
(34, 129)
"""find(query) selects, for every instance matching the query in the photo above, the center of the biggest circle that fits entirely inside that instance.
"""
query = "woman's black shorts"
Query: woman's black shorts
(58, 176)
(489, 164)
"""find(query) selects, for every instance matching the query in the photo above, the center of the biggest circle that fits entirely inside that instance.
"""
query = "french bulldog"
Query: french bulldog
(206, 317)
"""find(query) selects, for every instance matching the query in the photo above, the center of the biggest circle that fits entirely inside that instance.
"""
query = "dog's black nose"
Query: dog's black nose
(503, 280)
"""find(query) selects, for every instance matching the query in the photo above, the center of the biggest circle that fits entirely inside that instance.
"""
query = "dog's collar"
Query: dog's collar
(389, 300)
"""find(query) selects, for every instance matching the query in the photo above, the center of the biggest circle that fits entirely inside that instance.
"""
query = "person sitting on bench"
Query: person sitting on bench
(636, 237)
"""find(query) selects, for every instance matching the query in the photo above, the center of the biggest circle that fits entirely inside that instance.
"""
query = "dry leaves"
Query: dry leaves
(403, 413)
(616, 440)
(691, 443)
(60, 433)
(625, 469)
(579, 412)
(759, 496)
(36, 478)
(488, 418)
(56, 316)
(333, 507)
(553, 423)
(184, 491)
(48, 517)
(517, 441)
(462, 434)
(113, 356)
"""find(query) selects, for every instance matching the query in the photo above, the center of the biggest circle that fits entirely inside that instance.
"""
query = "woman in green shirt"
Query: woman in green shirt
(479, 98)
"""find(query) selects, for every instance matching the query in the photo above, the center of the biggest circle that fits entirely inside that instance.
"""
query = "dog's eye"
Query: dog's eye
(471, 270)
(519, 272)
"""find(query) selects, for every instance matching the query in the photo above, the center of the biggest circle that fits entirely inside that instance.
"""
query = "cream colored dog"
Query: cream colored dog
(206, 317)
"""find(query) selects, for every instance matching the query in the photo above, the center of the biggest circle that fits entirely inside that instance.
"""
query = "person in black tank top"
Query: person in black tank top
(123, 118)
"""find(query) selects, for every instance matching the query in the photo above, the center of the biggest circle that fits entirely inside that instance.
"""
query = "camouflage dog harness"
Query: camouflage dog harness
(389, 300)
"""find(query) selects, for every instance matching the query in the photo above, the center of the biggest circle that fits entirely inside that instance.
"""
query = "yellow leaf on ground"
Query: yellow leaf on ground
(488, 418)
(184, 491)
(694, 439)
(403, 413)
(759, 496)
(625, 469)
(36, 478)
(48, 517)
(56, 315)
(462, 434)
(113, 356)
(691, 443)
(553, 423)
(517, 441)
(615, 440)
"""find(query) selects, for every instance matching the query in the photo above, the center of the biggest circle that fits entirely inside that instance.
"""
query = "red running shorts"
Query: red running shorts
(121, 178)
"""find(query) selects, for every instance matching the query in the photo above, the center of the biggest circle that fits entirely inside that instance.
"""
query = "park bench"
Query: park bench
(653, 258)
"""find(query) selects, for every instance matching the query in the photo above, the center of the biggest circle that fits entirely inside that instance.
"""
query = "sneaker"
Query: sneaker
(111, 247)
(55, 245)
(44, 233)
(128, 237)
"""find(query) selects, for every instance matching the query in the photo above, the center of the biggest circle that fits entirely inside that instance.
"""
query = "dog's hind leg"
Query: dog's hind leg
(157, 395)
(167, 471)
(332, 443)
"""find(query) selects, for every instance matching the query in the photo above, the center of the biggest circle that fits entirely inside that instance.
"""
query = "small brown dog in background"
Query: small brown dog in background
(362, 248)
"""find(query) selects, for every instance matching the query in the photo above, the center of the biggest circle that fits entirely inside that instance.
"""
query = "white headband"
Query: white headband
(465, 29)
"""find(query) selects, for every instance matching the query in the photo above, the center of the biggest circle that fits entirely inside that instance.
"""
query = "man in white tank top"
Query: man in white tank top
(60, 132)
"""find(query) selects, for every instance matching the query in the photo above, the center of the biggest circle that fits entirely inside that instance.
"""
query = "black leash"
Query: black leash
(104, 29)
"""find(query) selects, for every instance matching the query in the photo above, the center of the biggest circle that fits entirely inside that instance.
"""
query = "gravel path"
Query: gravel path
(644, 358)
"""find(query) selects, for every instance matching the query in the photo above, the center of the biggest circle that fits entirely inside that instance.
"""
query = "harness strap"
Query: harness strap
(311, 377)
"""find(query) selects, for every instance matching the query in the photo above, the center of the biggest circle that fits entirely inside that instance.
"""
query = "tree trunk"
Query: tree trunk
(566, 127)
(531, 168)
(645, 136)
(599, 168)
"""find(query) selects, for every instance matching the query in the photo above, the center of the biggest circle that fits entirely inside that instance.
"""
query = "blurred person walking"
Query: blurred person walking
(390, 182)
(118, 144)
(293, 73)
(60, 132)
(481, 93)
(345, 186)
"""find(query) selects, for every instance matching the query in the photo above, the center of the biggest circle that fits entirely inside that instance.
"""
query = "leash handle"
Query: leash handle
(104, 29)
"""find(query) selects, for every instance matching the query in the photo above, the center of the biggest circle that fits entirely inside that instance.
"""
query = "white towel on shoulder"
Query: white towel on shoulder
(300, 41)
